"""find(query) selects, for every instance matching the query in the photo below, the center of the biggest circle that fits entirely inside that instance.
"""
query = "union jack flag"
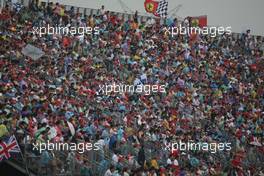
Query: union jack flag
(8, 147)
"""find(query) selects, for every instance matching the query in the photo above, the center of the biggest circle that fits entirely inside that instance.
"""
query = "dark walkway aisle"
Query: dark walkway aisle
(8, 170)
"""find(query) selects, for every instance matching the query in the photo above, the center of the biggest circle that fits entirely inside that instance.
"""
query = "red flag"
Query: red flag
(200, 21)
(151, 6)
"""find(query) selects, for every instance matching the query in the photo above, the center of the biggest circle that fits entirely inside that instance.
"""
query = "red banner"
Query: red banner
(200, 21)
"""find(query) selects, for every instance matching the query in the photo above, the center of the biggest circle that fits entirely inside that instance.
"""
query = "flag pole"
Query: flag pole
(23, 158)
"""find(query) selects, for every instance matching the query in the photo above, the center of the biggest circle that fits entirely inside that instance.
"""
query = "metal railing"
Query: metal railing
(57, 165)
(94, 163)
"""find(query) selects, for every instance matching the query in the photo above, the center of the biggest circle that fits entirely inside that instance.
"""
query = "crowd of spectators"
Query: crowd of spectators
(214, 93)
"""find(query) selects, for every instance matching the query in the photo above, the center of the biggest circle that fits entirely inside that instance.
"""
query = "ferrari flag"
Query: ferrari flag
(157, 8)
(151, 6)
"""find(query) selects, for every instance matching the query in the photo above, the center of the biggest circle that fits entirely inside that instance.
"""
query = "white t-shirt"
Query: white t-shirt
(114, 159)
(102, 11)
(108, 173)
(101, 143)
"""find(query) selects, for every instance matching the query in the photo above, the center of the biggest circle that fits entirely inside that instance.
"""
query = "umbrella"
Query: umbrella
(33, 52)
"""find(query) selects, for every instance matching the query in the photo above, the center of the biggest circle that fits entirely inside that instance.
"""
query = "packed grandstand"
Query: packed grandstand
(50, 92)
